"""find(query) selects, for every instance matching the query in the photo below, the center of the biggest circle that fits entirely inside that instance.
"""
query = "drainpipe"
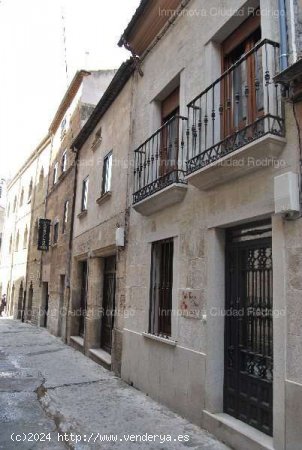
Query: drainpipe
(293, 31)
(283, 35)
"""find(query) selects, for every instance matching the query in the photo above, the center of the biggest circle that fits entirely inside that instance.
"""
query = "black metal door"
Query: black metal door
(108, 303)
(248, 372)
(83, 300)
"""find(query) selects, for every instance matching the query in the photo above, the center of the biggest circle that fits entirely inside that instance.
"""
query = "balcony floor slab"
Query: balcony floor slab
(174, 193)
(256, 155)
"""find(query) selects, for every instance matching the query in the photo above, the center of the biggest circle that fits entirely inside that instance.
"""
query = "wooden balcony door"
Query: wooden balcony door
(169, 134)
(242, 88)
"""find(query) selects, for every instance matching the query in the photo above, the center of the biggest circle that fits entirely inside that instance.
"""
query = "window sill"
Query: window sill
(153, 337)
(62, 175)
(82, 214)
(104, 197)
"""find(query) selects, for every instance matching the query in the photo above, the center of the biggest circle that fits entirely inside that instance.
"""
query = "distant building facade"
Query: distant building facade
(2, 209)
(20, 262)
(98, 255)
(78, 103)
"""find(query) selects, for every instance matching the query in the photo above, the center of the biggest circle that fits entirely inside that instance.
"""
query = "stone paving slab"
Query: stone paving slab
(48, 387)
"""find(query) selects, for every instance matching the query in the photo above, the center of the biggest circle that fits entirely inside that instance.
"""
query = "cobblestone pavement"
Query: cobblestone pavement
(52, 396)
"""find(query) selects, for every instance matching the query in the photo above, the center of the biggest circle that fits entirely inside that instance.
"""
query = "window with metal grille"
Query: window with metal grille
(161, 288)
(65, 216)
(55, 232)
(107, 171)
(84, 203)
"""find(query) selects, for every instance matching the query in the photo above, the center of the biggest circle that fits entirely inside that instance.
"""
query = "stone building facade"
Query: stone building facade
(2, 211)
(20, 260)
(98, 256)
(213, 251)
(175, 206)
(76, 106)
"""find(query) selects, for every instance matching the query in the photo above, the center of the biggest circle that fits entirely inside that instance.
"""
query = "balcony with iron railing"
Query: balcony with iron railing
(237, 122)
(159, 168)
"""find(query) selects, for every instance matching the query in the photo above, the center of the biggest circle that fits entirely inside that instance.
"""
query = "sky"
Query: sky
(32, 57)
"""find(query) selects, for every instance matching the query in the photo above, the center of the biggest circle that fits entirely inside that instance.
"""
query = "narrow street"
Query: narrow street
(48, 389)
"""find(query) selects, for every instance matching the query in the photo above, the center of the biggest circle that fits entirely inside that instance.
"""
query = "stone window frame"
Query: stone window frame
(159, 254)
(64, 161)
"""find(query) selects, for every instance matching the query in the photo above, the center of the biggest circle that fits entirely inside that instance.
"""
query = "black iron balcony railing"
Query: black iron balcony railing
(160, 160)
(242, 105)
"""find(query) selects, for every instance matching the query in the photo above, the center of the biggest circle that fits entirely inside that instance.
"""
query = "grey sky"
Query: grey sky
(32, 76)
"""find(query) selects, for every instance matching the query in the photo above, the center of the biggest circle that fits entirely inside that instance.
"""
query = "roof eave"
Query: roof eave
(67, 99)
(138, 13)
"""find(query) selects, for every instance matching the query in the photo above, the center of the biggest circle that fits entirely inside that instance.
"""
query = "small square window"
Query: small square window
(84, 204)
(107, 172)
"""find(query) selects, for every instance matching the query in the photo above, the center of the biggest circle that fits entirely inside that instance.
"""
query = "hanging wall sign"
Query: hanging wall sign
(43, 234)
